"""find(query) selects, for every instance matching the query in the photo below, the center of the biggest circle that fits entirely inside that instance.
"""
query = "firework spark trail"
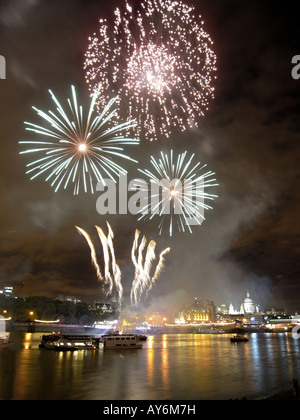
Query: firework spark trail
(110, 264)
(93, 252)
(117, 275)
(77, 148)
(159, 60)
(159, 268)
(143, 282)
(160, 265)
(177, 191)
(145, 265)
(113, 274)
(137, 264)
(139, 269)
(108, 278)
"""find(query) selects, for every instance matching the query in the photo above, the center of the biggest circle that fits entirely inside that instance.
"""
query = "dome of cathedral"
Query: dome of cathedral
(249, 305)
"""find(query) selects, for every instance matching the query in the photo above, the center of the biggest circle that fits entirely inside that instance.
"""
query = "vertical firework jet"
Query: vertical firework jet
(143, 281)
(93, 253)
(112, 276)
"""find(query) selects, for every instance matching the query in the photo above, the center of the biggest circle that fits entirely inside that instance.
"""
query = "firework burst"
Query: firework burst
(160, 60)
(77, 148)
(177, 191)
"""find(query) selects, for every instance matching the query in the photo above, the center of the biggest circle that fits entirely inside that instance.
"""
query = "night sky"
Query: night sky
(249, 137)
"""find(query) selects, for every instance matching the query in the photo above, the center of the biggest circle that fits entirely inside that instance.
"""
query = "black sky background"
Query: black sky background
(249, 137)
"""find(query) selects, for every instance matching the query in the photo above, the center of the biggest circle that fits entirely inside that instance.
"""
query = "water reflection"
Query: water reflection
(27, 341)
(168, 367)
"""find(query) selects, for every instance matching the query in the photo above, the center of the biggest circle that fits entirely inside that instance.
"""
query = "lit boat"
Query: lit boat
(239, 339)
(118, 334)
(69, 342)
(120, 342)
(64, 346)
(74, 343)
(49, 340)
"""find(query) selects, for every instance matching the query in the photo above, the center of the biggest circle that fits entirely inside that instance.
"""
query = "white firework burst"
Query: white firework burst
(78, 149)
(160, 60)
(177, 191)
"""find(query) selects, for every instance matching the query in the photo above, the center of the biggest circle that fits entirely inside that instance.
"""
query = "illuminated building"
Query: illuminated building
(247, 307)
(157, 319)
(232, 311)
(68, 299)
(248, 313)
(103, 308)
(222, 309)
(275, 311)
(7, 291)
(198, 312)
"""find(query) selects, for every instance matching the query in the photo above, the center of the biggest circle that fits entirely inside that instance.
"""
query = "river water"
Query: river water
(169, 367)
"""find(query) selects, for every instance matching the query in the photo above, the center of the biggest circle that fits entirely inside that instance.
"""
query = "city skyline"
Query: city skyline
(248, 304)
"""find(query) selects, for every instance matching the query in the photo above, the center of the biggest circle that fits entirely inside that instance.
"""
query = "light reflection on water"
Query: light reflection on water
(177, 367)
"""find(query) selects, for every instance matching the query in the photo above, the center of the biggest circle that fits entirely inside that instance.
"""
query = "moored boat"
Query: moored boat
(142, 337)
(49, 340)
(4, 344)
(69, 342)
(65, 347)
(120, 342)
(239, 339)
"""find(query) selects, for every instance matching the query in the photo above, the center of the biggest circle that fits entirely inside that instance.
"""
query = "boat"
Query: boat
(120, 334)
(142, 337)
(211, 331)
(115, 340)
(239, 339)
(120, 342)
(65, 347)
(74, 344)
(69, 342)
(49, 340)
(4, 344)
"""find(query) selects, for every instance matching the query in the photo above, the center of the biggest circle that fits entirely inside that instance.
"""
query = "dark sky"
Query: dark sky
(249, 137)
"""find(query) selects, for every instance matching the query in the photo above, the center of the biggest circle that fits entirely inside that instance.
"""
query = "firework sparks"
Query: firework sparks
(143, 281)
(110, 262)
(78, 149)
(160, 60)
(112, 276)
(177, 191)
(93, 252)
